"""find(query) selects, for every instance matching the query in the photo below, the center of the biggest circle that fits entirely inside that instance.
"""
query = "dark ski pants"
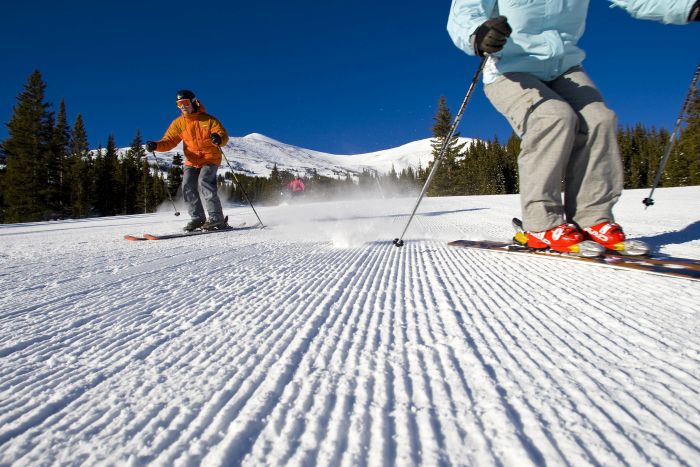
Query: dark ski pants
(196, 181)
(568, 135)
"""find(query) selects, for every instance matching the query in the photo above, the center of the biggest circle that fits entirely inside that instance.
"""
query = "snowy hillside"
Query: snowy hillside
(316, 342)
(256, 154)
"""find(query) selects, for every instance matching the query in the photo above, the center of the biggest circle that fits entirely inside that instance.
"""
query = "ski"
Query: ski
(665, 265)
(148, 236)
(195, 233)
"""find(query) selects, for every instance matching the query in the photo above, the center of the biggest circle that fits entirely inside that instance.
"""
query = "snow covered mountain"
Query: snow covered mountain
(256, 154)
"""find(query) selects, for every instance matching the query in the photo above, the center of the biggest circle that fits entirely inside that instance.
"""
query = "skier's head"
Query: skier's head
(186, 101)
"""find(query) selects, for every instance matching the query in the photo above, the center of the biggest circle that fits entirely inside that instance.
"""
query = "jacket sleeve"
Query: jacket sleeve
(171, 138)
(218, 128)
(465, 16)
(666, 11)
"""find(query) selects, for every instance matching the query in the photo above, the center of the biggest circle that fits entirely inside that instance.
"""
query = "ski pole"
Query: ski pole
(245, 195)
(684, 109)
(399, 241)
(177, 213)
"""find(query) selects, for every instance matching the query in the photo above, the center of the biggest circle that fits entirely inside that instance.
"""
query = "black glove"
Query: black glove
(491, 36)
(216, 139)
(695, 12)
(151, 146)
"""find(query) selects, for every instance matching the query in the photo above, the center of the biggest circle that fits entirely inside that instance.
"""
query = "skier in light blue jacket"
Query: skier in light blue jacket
(533, 76)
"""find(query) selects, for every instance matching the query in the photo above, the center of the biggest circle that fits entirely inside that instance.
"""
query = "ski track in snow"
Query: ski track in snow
(315, 341)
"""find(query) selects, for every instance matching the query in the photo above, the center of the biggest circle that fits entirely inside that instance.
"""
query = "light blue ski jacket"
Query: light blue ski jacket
(545, 32)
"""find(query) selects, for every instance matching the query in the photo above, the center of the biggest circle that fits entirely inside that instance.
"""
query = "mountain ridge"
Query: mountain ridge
(256, 154)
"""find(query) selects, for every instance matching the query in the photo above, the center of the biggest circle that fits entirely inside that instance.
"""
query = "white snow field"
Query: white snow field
(315, 341)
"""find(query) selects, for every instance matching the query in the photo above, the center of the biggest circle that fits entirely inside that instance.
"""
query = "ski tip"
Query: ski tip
(132, 238)
(632, 248)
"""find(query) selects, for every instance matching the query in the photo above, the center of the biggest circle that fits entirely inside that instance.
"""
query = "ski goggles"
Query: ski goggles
(185, 104)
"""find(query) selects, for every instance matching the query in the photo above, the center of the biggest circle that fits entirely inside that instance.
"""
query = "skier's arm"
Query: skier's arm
(666, 11)
(218, 128)
(171, 138)
(465, 17)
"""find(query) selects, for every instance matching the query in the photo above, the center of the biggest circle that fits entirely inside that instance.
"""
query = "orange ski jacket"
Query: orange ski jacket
(194, 131)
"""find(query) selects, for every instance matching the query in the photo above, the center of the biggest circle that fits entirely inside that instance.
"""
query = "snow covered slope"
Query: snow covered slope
(256, 154)
(315, 341)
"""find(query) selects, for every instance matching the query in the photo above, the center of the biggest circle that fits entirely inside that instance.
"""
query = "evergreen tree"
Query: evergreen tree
(108, 185)
(80, 173)
(175, 174)
(57, 165)
(689, 143)
(152, 186)
(275, 184)
(365, 181)
(683, 166)
(25, 150)
(135, 178)
(652, 150)
(3, 167)
(407, 181)
(512, 151)
(445, 181)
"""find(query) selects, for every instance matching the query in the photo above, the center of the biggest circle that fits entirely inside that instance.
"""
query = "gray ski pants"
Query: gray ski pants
(568, 135)
(196, 181)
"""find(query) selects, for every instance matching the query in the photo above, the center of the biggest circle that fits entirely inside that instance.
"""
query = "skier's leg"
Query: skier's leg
(547, 126)
(594, 176)
(190, 193)
(207, 185)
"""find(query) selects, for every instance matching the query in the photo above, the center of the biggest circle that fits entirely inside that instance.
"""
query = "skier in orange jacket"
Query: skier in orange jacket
(201, 134)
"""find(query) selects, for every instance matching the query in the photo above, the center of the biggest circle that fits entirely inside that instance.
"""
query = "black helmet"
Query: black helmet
(187, 94)
(184, 94)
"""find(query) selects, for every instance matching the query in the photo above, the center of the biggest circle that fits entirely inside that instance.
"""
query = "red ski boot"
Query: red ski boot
(565, 238)
(612, 237)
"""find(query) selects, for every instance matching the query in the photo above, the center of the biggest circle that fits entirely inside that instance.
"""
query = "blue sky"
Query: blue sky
(338, 76)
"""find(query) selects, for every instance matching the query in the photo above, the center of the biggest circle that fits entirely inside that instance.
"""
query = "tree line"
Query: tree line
(48, 171)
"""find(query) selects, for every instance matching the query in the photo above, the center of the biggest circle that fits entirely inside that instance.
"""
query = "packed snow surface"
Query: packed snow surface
(315, 341)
